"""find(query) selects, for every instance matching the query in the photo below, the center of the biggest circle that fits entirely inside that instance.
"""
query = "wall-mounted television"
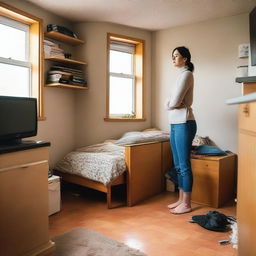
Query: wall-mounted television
(252, 21)
(18, 118)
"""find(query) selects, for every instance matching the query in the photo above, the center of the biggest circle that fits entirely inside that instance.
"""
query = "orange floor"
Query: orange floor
(148, 226)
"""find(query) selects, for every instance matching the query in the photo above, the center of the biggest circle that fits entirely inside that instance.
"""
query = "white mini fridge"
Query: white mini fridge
(54, 194)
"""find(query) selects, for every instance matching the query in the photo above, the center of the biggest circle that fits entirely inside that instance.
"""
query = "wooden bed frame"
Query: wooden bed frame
(146, 165)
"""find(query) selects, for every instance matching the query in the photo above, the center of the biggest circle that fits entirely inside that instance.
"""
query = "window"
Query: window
(125, 78)
(21, 55)
(121, 80)
(14, 59)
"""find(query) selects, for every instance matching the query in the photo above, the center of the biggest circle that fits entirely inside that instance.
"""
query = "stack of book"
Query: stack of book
(66, 75)
(52, 50)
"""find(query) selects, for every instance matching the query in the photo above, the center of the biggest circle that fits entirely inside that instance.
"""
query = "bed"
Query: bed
(138, 160)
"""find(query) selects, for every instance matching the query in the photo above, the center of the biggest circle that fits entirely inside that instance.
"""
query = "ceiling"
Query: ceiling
(146, 14)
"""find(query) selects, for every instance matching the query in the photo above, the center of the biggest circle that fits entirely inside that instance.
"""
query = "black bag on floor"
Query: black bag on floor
(214, 221)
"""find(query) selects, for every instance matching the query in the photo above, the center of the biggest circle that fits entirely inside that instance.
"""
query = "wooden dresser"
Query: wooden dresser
(246, 198)
(24, 201)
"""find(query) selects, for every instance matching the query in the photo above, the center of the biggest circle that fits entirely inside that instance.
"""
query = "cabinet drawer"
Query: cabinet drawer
(204, 165)
(24, 157)
(247, 116)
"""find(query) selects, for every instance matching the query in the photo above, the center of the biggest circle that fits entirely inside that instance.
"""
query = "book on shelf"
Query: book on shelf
(52, 72)
(52, 50)
(66, 75)
(66, 69)
(65, 78)
(75, 72)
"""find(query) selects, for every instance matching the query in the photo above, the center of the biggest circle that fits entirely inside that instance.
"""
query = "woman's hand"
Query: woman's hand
(182, 105)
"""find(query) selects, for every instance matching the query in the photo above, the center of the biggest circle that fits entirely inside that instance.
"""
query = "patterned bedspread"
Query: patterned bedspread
(105, 161)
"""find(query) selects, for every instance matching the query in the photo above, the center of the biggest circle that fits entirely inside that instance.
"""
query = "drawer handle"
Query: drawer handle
(246, 110)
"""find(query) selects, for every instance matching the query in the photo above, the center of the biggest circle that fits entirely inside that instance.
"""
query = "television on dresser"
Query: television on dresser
(18, 119)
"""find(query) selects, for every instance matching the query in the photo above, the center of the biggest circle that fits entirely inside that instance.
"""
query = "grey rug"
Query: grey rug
(86, 242)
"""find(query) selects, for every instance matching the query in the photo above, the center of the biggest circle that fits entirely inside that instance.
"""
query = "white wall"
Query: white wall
(214, 46)
(91, 105)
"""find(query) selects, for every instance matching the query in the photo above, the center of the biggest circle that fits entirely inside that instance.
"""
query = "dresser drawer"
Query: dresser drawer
(204, 165)
(247, 116)
(24, 157)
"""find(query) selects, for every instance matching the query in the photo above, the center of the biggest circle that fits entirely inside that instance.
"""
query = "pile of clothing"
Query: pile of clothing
(206, 147)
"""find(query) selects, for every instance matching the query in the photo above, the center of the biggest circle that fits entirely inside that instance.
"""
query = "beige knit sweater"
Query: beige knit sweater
(179, 104)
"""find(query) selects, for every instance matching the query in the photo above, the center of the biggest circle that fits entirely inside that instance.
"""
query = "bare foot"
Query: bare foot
(181, 208)
(174, 205)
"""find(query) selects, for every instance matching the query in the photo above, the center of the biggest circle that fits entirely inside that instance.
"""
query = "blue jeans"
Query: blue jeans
(181, 139)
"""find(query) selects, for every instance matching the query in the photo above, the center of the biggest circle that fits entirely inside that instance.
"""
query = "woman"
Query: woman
(183, 128)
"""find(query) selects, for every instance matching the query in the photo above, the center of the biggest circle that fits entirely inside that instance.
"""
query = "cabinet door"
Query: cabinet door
(247, 116)
(144, 171)
(246, 210)
(24, 208)
(206, 182)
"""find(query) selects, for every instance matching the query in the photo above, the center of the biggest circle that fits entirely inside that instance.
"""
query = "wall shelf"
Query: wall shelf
(66, 60)
(64, 38)
(73, 86)
(75, 67)
(247, 79)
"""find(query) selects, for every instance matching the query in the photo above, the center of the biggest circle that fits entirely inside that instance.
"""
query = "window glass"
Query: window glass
(125, 78)
(121, 62)
(14, 85)
(14, 54)
(12, 43)
(21, 57)
(121, 96)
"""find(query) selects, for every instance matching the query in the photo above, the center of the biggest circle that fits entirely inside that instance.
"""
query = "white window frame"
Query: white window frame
(126, 48)
(9, 61)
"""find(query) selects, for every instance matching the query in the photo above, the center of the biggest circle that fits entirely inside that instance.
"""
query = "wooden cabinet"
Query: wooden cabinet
(247, 115)
(24, 203)
(146, 165)
(246, 205)
(214, 180)
(67, 62)
(246, 198)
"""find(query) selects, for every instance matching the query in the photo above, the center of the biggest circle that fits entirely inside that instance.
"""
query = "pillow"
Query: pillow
(107, 146)
(142, 137)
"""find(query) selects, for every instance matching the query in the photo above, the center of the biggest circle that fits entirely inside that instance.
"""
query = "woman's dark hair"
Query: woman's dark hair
(185, 53)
